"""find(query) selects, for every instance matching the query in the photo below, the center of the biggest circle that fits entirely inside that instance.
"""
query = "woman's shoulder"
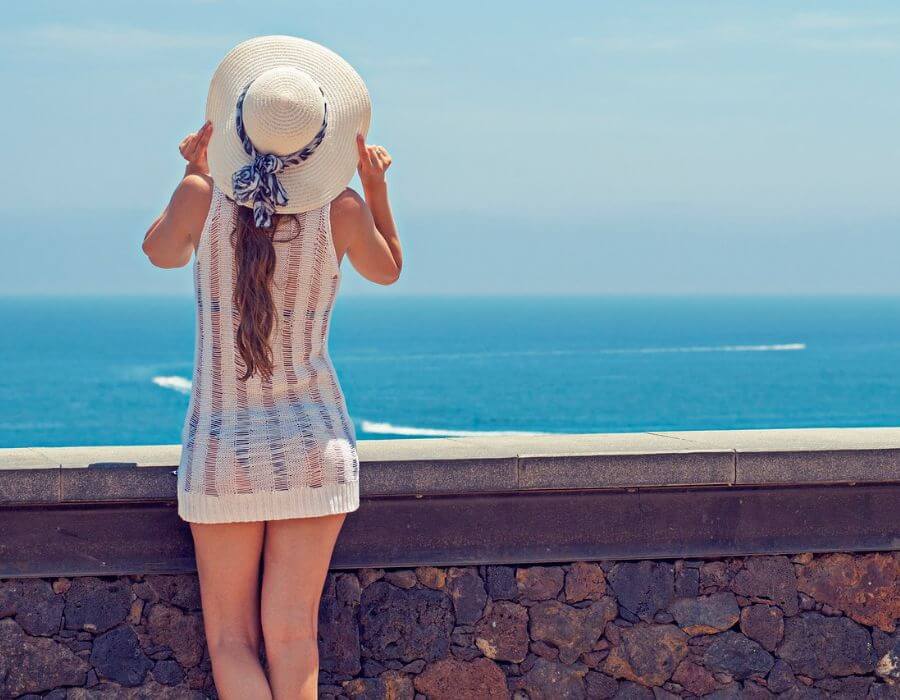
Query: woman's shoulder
(192, 197)
(197, 185)
(349, 209)
(347, 202)
(194, 194)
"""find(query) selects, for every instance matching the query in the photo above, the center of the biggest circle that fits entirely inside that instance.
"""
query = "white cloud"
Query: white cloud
(874, 44)
(836, 22)
(845, 32)
(809, 31)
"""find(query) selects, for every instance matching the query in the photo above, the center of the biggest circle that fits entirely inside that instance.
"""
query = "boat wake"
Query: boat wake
(180, 384)
(374, 428)
(783, 347)
(491, 355)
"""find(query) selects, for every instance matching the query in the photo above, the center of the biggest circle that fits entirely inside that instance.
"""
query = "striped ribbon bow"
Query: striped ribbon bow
(257, 182)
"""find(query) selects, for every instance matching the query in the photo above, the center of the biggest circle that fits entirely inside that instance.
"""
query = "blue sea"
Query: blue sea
(116, 371)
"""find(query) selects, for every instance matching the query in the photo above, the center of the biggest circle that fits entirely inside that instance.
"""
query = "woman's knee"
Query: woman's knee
(227, 643)
(290, 626)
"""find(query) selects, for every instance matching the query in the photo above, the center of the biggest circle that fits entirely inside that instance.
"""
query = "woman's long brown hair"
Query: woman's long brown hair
(254, 256)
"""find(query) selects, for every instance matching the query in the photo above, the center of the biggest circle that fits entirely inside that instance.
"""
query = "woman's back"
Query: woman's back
(277, 447)
(266, 214)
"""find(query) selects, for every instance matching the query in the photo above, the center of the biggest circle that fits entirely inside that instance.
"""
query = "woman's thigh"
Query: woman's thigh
(228, 561)
(297, 553)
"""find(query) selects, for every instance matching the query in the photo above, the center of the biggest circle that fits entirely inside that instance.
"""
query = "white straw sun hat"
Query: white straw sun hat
(296, 100)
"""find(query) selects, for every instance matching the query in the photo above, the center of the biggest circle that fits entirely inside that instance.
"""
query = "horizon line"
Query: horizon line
(481, 295)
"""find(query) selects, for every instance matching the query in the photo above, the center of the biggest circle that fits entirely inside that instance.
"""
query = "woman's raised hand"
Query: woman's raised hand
(373, 163)
(193, 149)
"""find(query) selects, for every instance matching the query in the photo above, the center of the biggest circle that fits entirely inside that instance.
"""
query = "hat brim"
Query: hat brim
(318, 180)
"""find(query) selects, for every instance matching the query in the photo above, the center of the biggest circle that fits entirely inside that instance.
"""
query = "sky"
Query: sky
(630, 147)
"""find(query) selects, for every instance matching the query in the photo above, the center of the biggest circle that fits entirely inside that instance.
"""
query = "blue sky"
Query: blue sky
(569, 147)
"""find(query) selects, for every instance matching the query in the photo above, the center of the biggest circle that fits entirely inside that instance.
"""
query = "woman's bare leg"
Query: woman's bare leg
(228, 558)
(296, 558)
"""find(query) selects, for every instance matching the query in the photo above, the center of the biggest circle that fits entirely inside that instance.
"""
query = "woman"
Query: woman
(269, 468)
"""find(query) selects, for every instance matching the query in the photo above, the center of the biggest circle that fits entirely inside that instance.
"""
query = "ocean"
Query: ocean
(116, 371)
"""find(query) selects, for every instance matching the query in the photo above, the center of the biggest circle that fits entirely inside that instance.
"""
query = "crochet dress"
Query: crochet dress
(267, 449)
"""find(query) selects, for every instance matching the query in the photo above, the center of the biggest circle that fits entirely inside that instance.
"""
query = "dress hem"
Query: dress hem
(303, 502)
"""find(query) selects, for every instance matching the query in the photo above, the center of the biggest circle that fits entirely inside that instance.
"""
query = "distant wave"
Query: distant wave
(390, 429)
(183, 385)
(784, 347)
(778, 347)
(179, 384)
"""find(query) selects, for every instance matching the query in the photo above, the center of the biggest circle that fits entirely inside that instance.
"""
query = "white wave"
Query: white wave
(389, 429)
(428, 357)
(179, 384)
(783, 347)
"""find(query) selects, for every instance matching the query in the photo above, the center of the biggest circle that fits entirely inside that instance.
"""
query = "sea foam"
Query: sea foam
(782, 347)
(492, 355)
(375, 428)
(180, 384)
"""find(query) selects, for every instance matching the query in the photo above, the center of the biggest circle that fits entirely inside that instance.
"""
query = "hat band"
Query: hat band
(257, 182)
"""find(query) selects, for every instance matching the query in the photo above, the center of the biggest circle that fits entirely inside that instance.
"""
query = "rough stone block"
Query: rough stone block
(643, 588)
(573, 631)
(402, 578)
(339, 626)
(501, 582)
(182, 590)
(866, 587)
(737, 655)
(585, 581)
(502, 634)
(540, 582)
(694, 678)
(431, 577)
(468, 594)
(96, 605)
(763, 624)
(35, 664)
(551, 680)
(768, 579)
(404, 624)
(819, 646)
(647, 654)
(451, 679)
(181, 632)
(34, 603)
(117, 655)
(706, 614)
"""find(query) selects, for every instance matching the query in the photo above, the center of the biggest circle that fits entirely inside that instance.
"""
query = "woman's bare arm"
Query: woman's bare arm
(174, 235)
(365, 228)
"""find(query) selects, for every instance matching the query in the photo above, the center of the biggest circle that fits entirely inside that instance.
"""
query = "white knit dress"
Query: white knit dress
(267, 449)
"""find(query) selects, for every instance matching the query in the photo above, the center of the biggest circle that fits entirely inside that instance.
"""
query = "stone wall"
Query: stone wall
(803, 626)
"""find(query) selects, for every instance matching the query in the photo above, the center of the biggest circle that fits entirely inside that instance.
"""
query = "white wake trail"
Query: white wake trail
(782, 347)
(376, 428)
(180, 384)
